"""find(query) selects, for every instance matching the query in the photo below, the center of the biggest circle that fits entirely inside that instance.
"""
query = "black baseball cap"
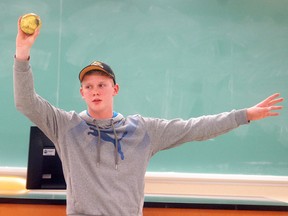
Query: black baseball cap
(97, 66)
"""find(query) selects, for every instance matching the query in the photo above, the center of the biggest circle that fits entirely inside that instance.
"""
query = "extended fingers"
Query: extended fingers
(272, 108)
(265, 109)
(272, 97)
(278, 100)
(275, 108)
(272, 114)
(271, 100)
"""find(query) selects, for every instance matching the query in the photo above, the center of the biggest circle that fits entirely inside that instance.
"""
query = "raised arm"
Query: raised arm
(265, 108)
(47, 117)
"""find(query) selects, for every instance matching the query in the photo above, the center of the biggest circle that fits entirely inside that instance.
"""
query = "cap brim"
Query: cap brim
(91, 68)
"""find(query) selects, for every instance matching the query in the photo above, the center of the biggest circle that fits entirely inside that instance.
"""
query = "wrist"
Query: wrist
(249, 114)
(22, 53)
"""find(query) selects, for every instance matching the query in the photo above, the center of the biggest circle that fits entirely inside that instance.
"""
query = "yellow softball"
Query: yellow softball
(29, 22)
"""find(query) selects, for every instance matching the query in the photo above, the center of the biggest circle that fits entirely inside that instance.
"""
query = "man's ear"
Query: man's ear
(81, 91)
(116, 89)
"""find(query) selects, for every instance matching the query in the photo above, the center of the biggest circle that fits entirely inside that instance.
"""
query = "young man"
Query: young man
(105, 155)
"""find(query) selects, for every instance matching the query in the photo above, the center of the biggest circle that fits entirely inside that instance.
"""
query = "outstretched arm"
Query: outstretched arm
(24, 42)
(265, 108)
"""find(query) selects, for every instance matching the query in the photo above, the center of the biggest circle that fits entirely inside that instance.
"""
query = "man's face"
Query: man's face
(98, 91)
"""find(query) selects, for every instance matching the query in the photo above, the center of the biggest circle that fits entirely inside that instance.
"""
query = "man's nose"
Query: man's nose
(96, 92)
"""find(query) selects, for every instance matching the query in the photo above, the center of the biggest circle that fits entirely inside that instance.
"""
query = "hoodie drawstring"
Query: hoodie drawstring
(99, 146)
(116, 148)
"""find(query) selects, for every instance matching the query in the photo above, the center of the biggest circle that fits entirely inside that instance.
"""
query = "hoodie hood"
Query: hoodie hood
(100, 127)
(102, 123)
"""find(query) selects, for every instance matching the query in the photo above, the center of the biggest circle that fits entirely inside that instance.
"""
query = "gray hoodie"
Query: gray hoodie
(104, 161)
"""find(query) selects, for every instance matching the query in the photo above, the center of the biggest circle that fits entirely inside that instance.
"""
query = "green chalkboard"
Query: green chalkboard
(173, 58)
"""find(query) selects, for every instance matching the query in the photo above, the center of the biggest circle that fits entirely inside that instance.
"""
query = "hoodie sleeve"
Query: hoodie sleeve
(165, 134)
(37, 109)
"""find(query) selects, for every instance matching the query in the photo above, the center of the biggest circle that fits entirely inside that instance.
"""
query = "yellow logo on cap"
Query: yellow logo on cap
(96, 63)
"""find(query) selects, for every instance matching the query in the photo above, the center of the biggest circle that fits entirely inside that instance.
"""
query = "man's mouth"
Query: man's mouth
(96, 101)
